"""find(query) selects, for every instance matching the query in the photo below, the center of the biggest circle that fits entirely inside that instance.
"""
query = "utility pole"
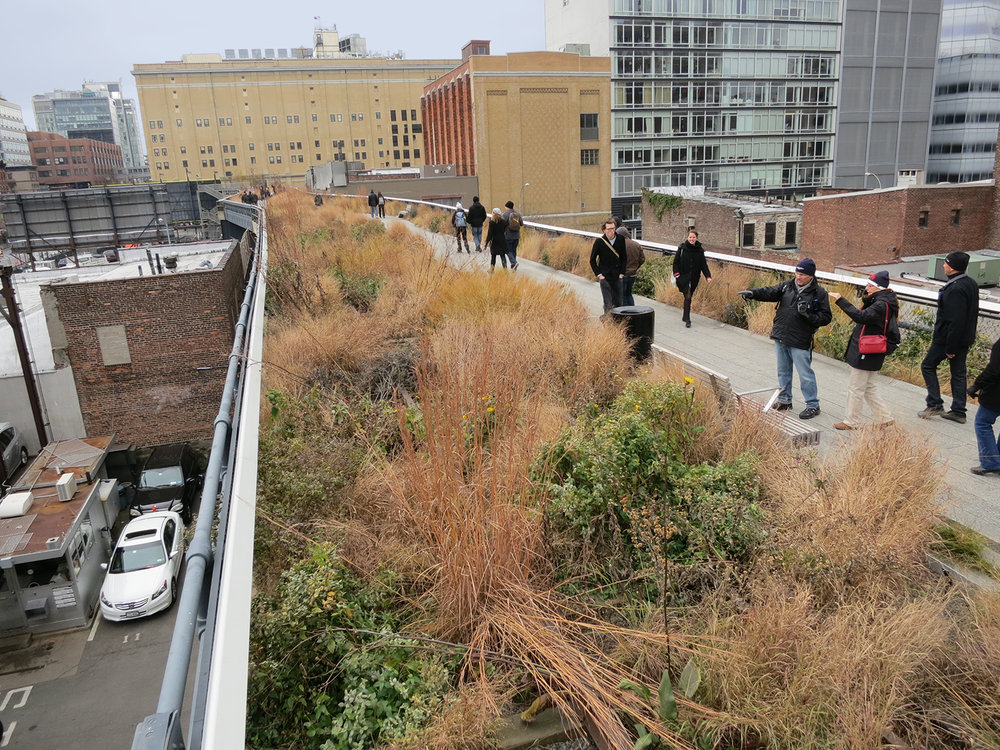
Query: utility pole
(14, 318)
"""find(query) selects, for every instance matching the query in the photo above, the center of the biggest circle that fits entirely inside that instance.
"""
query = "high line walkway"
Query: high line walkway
(749, 362)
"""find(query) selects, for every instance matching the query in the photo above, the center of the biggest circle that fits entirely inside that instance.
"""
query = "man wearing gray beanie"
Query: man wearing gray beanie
(954, 334)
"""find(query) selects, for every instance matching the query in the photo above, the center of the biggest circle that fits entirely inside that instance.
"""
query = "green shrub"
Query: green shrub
(654, 269)
(317, 681)
(368, 229)
(358, 290)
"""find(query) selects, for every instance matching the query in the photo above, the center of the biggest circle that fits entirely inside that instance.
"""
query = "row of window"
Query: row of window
(725, 94)
(935, 177)
(770, 233)
(682, 124)
(924, 218)
(966, 86)
(958, 118)
(205, 122)
(296, 158)
(735, 178)
(963, 148)
(740, 35)
(812, 10)
(757, 150)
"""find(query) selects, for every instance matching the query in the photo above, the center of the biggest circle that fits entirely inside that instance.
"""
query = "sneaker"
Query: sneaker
(809, 412)
(954, 416)
(513, 267)
(687, 323)
(981, 472)
(842, 426)
(781, 406)
(930, 411)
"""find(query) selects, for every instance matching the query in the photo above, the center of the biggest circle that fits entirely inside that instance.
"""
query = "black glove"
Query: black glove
(745, 294)
(973, 393)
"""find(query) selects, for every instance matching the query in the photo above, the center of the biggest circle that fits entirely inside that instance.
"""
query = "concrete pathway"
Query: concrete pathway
(749, 362)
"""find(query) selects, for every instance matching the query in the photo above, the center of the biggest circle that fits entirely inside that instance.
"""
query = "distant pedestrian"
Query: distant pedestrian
(634, 258)
(878, 315)
(986, 388)
(954, 334)
(689, 266)
(460, 222)
(512, 234)
(607, 260)
(381, 205)
(477, 217)
(803, 308)
(495, 238)
(373, 203)
(318, 200)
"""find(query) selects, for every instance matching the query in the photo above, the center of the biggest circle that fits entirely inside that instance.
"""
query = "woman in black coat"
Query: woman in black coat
(494, 238)
(689, 266)
(878, 313)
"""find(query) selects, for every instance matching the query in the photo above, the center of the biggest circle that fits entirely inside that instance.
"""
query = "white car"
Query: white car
(142, 574)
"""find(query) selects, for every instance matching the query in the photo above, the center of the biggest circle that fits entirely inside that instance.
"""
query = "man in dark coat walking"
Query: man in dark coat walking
(607, 260)
(878, 314)
(803, 308)
(986, 388)
(477, 217)
(954, 334)
(373, 204)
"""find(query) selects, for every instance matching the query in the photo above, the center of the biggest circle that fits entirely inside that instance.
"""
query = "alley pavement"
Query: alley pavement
(749, 362)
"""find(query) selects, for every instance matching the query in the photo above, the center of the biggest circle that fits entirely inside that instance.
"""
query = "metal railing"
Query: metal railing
(215, 598)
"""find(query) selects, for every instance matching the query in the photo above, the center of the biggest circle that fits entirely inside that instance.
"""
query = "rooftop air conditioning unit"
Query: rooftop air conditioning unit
(66, 487)
(16, 504)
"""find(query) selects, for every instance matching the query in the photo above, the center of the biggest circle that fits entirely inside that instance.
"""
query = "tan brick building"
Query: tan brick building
(74, 162)
(205, 117)
(535, 127)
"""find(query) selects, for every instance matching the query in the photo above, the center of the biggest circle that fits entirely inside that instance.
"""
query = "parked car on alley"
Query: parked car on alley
(15, 455)
(142, 575)
(170, 480)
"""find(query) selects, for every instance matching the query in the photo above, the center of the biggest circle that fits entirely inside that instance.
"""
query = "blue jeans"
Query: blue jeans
(935, 356)
(989, 444)
(802, 360)
(512, 248)
(627, 283)
(374, 210)
(477, 236)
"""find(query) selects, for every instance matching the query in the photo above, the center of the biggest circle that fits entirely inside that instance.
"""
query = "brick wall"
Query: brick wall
(174, 324)
(993, 235)
(863, 228)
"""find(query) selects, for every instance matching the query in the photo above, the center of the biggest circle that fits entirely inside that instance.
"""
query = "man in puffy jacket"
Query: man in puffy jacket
(878, 314)
(476, 218)
(372, 203)
(803, 308)
(987, 389)
(954, 334)
(459, 220)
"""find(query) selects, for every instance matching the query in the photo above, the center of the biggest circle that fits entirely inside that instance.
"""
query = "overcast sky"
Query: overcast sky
(59, 44)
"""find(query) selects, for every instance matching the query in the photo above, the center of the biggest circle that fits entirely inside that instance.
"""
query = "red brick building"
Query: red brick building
(74, 162)
(149, 353)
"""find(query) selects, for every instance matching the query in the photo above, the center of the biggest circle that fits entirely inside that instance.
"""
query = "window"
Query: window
(395, 154)
(278, 159)
(250, 146)
(253, 159)
(790, 228)
(923, 219)
(589, 157)
(770, 230)
(203, 149)
(315, 117)
(406, 153)
(211, 162)
(378, 115)
(956, 216)
(748, 235)
(197, 123)
(395, 140)
(413, 115)
(589, 126)
(318, 157)
(392, 117)
(159, 124)
(180, 122)
(267, 119)
(416, 153)
(184, 163)
(417, 128)
(315, 144)
(166, 165)
(248, 119)
(184, 149)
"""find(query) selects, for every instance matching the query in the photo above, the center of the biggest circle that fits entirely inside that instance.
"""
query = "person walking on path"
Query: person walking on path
(689, 266)
(803, 308)
(476, 218)
(381, 205)
(634, 258)
(512, 233)
(878, 314)
(954, 334)
(460, 222)
(607, 260)
(495, 239)
(372, 203)
(986, 388)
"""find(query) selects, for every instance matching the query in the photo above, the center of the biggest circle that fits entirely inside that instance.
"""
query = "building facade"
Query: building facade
(966, 93)
(13, 136)
(74, 162)
(776, 97)
(97, 111)
(271, 119)
(533, 126)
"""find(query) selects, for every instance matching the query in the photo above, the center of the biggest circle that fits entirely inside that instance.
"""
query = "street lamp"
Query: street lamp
(872, 174)
(166, 226)
(527, 184)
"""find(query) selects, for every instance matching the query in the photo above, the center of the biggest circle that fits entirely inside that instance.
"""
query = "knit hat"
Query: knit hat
(880, 279)
(958, 260)
(458, 206)
(498, 212)
(509, 204)
(806, 266)
(623, 231)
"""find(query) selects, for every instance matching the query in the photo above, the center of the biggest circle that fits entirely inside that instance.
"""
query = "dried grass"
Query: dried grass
(570, 253)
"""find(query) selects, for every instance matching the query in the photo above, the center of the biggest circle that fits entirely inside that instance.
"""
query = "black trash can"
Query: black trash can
(638, 322)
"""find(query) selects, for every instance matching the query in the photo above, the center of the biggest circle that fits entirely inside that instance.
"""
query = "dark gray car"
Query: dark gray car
(15, 455)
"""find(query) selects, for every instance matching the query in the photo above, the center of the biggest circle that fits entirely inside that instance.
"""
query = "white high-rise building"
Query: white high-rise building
(98, 111)
(772, 97)
(966, 93)
(13, 136)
